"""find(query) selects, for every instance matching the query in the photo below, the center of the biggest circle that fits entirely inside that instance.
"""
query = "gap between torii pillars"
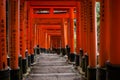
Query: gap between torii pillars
(72, 55)
(4, 71)
(113, 67)
(13, 42)
(104, 39)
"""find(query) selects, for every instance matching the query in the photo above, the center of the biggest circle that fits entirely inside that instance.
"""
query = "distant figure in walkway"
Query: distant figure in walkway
(68, 51)
(37, 49)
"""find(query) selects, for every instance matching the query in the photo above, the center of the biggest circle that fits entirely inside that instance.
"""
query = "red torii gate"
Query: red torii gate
(89, 45)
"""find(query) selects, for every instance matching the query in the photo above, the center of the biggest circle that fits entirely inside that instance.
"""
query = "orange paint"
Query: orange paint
(62, 32)
(85, 26)
(91, 34)
(55, 40)
(22, 30)
(65, 34)
(78, 28)
(104, 33)
(3, 53)
(28, 28)
(31, 32)
(72, 30)
(13, 34)
(82, 23)
(114, 32)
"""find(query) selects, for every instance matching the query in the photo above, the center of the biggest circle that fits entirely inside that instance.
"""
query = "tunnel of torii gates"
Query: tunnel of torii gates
(50, 23)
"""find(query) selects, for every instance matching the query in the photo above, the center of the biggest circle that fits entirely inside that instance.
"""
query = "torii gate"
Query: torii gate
(110, 17)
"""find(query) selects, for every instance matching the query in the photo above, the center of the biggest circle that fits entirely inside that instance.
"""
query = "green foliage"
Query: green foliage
(98, 22)
(98, 13)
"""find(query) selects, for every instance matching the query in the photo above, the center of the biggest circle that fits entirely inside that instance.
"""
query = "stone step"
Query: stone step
(52, 67)
(53, 70)
(54, 76)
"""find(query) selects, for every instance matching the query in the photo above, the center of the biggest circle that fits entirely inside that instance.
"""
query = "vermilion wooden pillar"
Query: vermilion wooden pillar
(42, 41)
(113, 67)
(78, 28)
(82, 22)
(32, 27)
(104, 38)
(72, 34)
(23, 24)
(39, 36)
(22, 30)
(45, 40)
(4, 71)
(78, 33)
(35, 34)
(43, 35)
(28, 23)
(68, 33)
(14, 38)
(91, 41)
(84, 28)
(48, 41)
(84, 34)
(63, 34)
(28, 28)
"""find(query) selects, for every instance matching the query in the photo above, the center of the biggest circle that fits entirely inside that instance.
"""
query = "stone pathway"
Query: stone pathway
(52, 67)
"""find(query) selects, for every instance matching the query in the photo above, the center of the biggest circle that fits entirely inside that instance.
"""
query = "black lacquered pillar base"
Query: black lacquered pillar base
(77, 60)
(86, 64)
(91, 73)
(15, 74)
(29, 60)
(20, 67)
(8, 61)
(5, 74)
(113, 72)
(72, 57)
(101, 73)
(81, 55)
(24, 66)
(32, 58)
(83, 63)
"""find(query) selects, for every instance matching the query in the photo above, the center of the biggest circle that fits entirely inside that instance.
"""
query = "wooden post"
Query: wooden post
(113, 67)
(22, 35)
(4, 71)
(78, 28)
(72, 30)
(63, 34)
(31, 36)
(78, 33)
(91, 41)
(22, 31)
(14, 38)
(85, 25)
(104, 39)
